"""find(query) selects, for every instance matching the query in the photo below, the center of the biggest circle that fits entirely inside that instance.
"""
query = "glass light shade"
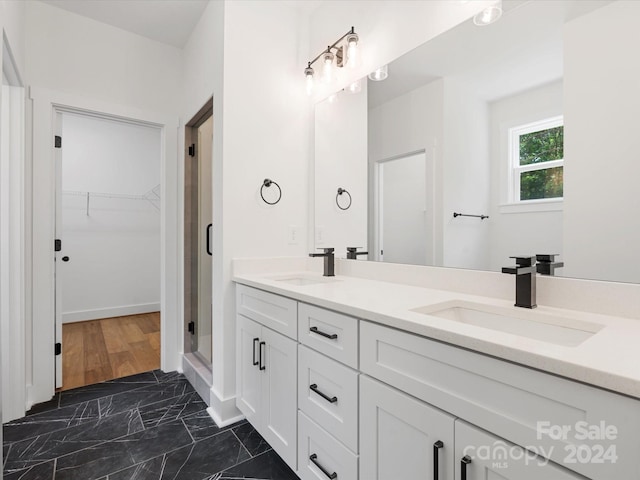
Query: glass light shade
(332, 98)
(355, 87)
(488, 16)
(380, 73)
(327, 67)
(352, 51)
(308, 73)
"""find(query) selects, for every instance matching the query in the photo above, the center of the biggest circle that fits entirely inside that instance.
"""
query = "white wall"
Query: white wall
(520, 231)
(69, 53)
(410, 123)
(78, 62)
(266, 135)
(12, 21)
(114, 248)
(261, 130)
(340, 161)
(466, 174)
(602, 233)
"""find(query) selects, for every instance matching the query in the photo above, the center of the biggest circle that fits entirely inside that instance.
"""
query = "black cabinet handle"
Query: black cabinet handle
(466, 460)
(262, 366)
(330, 336)
(436, 451)
(314, 461)
(255, 340)
(209, 239)
(65, 259)
(314, 389)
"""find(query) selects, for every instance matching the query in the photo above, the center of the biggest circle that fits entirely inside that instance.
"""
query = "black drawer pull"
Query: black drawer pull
(262, 366)
(329, 475)
(255, 340)
(436, 450)
(314, 389)
(466, 460)
(331, 336)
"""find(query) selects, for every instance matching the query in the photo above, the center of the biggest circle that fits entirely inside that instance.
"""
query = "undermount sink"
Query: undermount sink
(301, 280)
(525, 323)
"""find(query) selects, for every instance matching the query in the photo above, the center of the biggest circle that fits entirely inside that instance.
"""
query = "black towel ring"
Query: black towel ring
(340, 192)
(267, 183)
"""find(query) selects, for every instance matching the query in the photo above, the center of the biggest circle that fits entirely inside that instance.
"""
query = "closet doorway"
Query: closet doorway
(107, 269)
(198, 230)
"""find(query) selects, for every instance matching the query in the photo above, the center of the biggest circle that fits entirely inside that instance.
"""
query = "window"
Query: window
(537, 161)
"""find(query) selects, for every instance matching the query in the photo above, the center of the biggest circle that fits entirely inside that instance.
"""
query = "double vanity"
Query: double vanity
(349, 377)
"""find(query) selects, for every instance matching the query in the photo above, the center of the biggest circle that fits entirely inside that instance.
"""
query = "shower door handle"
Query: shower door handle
(209, 239)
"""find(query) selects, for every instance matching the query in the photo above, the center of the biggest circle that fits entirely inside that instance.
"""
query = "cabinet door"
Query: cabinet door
(248, 375)
(492, 457)
(279, 395)
(401, 437)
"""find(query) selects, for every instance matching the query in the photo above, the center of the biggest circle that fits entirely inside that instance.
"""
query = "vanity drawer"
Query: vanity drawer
(273, 311)
(331, 333)
(318, 451)
(338, 414)
(506, 399)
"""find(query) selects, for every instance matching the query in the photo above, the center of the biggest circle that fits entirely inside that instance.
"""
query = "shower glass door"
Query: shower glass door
(198, 229)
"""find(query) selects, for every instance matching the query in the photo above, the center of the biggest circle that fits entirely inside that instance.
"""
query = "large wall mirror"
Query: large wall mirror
(528, 127)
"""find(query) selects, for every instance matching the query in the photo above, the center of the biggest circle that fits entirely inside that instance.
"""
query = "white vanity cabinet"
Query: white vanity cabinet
(327, 395)
(587, 430)
(402, 437)
(481, 456)
(356, 400)
(266, 371)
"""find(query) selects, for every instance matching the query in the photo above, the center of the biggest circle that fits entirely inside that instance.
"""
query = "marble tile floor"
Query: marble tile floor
(150, 426)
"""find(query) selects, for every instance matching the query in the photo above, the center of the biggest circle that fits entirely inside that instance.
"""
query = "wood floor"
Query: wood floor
(99, 350)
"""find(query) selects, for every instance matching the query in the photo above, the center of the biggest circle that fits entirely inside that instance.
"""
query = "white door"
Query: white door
(402, 437)
(405, 210)
(279, 395)
(59, 257)
(248, 367)
(487, 456)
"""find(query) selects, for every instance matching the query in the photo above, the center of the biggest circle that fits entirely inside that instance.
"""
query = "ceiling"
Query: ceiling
(166, 21)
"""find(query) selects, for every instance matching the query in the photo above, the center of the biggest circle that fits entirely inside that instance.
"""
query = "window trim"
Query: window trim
(513, 161)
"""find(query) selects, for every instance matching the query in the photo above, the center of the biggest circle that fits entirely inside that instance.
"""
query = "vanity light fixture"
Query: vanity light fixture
(379, 74)
(489, 15)
(344, 51)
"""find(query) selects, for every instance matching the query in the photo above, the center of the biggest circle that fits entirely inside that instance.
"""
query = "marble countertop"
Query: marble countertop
(608, 359)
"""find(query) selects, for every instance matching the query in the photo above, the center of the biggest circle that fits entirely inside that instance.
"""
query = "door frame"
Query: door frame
(190, 240)
(378, 240)
(41, 329)
(13, 233)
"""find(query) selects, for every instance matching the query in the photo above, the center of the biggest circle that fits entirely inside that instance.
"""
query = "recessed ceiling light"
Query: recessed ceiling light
(380, 73)
(488, 16)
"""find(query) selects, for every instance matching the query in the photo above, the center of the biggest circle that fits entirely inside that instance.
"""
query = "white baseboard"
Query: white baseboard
(109, 312)
(223, 411)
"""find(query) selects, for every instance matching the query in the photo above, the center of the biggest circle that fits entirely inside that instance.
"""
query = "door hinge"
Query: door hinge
(58, 348)
(58, 141)
(192, 150)
(57, 244)
(191, 326)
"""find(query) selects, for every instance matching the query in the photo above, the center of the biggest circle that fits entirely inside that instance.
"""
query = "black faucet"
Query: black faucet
(547, 265)
(329, 261)
(352, 253)
(525, 272)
